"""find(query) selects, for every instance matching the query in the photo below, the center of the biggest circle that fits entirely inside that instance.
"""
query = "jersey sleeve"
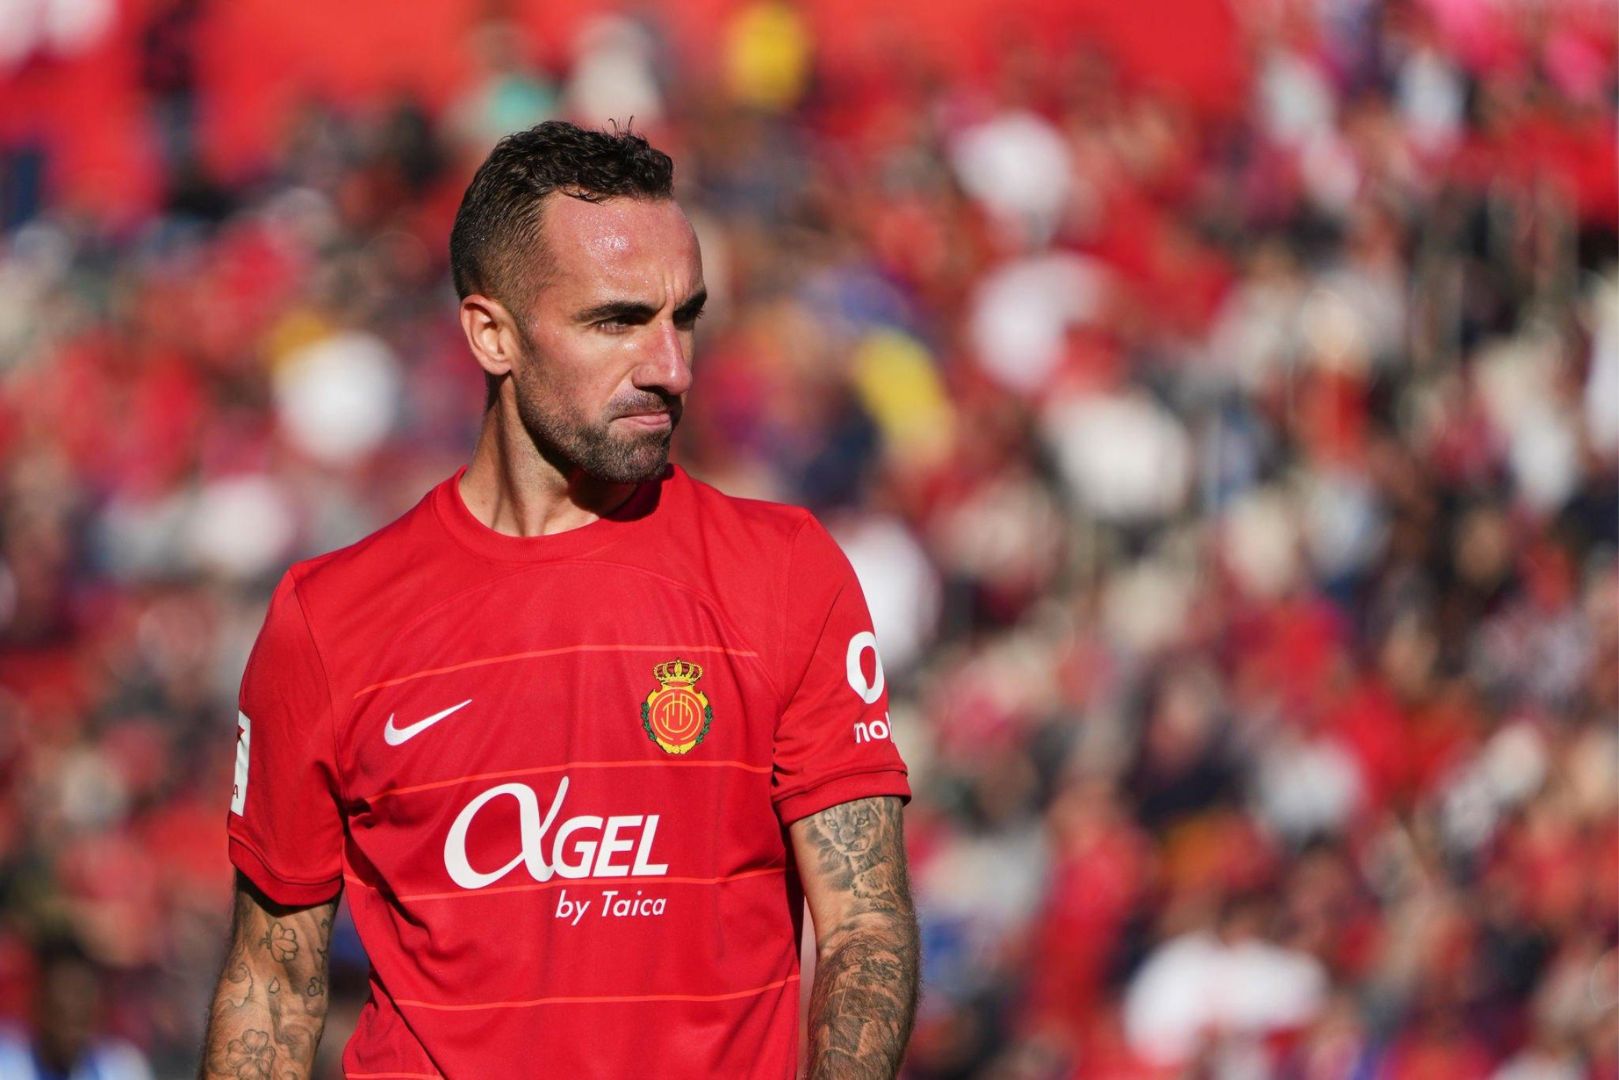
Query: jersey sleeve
(285, 824)
(832, 741)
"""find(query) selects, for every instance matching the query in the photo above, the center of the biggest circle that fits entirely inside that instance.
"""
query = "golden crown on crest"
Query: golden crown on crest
(677, 671)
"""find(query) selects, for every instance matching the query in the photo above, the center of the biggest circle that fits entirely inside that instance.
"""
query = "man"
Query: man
(578, 734)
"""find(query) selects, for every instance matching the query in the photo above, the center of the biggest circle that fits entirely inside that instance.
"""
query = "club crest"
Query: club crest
(676, 716)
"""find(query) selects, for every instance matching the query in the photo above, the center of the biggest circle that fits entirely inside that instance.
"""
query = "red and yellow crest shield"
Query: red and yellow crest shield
(676, 716)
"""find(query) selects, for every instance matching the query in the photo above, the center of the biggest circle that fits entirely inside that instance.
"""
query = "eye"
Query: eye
(688, 319)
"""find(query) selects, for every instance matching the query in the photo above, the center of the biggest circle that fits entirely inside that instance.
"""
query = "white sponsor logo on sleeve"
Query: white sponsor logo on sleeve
(867, 731)
(244, 736)
(869, 692)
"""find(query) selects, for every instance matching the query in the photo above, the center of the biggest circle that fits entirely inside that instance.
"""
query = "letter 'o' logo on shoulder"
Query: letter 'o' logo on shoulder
(869, 692)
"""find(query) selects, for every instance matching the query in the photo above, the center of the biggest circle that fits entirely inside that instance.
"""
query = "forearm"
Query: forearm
(270, 1005)
(852, 860)
(864, 1000)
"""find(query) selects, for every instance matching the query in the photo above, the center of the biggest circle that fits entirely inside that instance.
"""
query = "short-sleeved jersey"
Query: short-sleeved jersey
(555, 774)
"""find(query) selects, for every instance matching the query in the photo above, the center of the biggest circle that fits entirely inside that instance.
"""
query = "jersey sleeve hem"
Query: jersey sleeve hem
(290, 891)
(842, 789)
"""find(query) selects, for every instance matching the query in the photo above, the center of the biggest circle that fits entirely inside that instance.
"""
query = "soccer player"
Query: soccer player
(578, 734)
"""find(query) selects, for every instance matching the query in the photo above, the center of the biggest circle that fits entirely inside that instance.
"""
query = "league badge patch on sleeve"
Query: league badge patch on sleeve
(677, 714)
(244, 738)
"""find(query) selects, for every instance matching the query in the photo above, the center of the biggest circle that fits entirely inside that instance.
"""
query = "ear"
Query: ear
(491, 333)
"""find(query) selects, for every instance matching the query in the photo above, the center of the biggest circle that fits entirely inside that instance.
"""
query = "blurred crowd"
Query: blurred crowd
(1237, 498)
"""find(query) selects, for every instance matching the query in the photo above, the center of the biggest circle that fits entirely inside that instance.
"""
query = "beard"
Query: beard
(573, 443)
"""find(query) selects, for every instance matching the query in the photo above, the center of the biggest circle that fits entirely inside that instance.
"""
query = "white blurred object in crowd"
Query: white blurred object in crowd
(337, 398)
(1145, 605)
(1331, 172)
(1257, 331)
(1602, 382)
(1511, 767)
(1536, 1063)
(1373, 298)
(1196, 986)
(1018, 166)
(1432, 96)
(614, 74)
(1021, 314)
(1344, 522)
(1334, 332)
(1518, 382)
(1260, 540)
(1296, 102)
(241, 526)
(1125, 457)
(56, 28)
(87, 793)
(1306, 786)
(1545, 458)
(902, 588)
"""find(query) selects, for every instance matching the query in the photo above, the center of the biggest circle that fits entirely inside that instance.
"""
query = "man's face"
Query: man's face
(608, 337)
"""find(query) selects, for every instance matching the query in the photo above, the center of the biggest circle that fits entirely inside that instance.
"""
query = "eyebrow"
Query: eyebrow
(638, 311)
(693, 304)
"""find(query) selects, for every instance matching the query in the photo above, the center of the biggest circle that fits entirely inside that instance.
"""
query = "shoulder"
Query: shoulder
(373, 559)
(759, 517)
(755, 531)
(779, 555)
(363, 582)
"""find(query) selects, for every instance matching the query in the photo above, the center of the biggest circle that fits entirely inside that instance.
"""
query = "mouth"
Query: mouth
(656, 421)
(661, 418)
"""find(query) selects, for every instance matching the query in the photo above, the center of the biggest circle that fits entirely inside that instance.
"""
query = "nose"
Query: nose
(667, 363)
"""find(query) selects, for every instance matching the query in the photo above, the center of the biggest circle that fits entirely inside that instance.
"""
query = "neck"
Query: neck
(514, 489)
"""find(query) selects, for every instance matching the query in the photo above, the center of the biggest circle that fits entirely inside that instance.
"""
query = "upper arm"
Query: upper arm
(851, 860)
(285, 822)
(832, 740)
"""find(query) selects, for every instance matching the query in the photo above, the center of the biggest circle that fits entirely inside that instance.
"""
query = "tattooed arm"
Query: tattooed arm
(851, 858)
(270, 1005)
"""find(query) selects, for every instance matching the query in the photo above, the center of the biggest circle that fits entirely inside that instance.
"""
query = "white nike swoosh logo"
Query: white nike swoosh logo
(398, 735)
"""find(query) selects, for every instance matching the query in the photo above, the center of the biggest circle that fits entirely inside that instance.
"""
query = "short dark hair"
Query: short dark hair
(500, 213)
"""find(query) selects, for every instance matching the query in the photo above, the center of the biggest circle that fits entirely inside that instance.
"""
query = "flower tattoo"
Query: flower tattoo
(283, 943)
(251, 1057)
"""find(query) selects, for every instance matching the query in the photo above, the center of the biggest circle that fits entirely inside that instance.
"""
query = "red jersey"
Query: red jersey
(555, 775)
